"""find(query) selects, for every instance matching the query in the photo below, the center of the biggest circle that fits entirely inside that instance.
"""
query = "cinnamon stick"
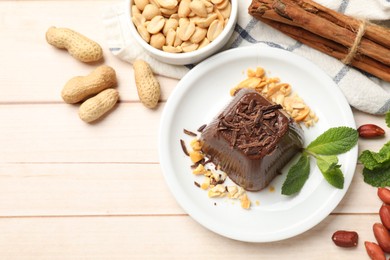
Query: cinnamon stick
(333, 49)
(373, 32)
(332, 31)
(328, 31)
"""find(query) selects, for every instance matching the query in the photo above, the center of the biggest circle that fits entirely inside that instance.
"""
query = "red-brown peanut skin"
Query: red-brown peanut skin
(384, 214)
(374, 251)
(343, 238)
(384, 195)
(382, 235)
(370, 131)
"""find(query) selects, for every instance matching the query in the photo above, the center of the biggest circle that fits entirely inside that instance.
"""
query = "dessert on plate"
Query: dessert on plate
(251, 140)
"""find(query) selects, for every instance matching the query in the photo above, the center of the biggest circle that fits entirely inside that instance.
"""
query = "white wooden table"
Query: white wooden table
(69, 190)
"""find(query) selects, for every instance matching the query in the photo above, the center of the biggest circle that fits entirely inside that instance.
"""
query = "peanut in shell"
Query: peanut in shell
(148, 87)
(78, 45)
(80, 88)
(97, 106)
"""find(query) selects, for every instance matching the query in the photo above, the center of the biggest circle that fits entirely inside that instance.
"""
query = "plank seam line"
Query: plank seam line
(16, 103)
(96, 216)
(49, 163)
(147, 215)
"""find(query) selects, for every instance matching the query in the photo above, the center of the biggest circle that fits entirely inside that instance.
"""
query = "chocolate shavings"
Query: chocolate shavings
(250, 126)
(200, 129)
(187, 132)
(183, 147)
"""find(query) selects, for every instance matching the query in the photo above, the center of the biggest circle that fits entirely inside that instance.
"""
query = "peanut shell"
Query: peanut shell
(78, 46)
(147, 85)
(95, 107)
(81, 87)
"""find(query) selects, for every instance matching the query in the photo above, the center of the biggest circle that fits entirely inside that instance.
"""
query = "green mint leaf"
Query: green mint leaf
(335, 177)
(368, 160)
(372, 160)
(379, 177)
(326, 162)
(384, 153)
(297, 176)
(331, 170)
(336, 140)
(387, 118)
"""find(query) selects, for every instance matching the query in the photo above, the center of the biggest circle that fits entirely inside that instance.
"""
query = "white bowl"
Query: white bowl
(188, 57)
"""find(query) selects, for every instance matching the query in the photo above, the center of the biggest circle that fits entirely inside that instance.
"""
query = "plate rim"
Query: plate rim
(194, 213)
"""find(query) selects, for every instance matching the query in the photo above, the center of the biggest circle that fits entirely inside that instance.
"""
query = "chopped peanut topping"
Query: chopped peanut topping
(196, 144)
(234, 192)
(279, 93)
(196, 156)
(217, 191)
(245, 202)
(200, 170)
(206, 184)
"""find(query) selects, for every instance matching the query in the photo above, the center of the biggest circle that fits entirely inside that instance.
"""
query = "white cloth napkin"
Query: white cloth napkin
(364, 92)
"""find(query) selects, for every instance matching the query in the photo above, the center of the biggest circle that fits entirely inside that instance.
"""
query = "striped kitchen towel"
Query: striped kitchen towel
(363, 92)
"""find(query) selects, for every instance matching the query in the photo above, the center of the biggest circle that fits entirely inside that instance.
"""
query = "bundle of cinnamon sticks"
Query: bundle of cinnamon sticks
(355, 42)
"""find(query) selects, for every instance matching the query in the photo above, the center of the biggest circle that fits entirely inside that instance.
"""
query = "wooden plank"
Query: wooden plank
(169, 237)
(127, 134)
(34, 71)
(84, 189)
(54, 133)
(115, 189)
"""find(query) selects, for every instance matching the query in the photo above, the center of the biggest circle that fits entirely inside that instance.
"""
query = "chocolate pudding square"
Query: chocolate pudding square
(251, 140)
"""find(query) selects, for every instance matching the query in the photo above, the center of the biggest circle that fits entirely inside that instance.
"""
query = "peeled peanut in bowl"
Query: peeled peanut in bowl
(181, 32)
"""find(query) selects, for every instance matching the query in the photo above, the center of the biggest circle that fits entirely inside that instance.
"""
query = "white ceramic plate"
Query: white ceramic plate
(201, 94)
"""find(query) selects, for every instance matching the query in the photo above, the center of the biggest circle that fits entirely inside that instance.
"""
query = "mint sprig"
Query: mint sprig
(334, 141)
(297, 176)
(324, 149)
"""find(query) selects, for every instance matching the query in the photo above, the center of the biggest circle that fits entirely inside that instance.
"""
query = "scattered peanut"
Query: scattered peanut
(81, 87)
(343, 238)
(384, 195)
(147, 85)
(374, 251)
(382, 235)
(79, 46)
(95, 107)
(201, 21)
(370, 131)
(384, 214)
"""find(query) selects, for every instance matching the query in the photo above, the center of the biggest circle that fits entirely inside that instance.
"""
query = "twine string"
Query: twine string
(353, 50)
